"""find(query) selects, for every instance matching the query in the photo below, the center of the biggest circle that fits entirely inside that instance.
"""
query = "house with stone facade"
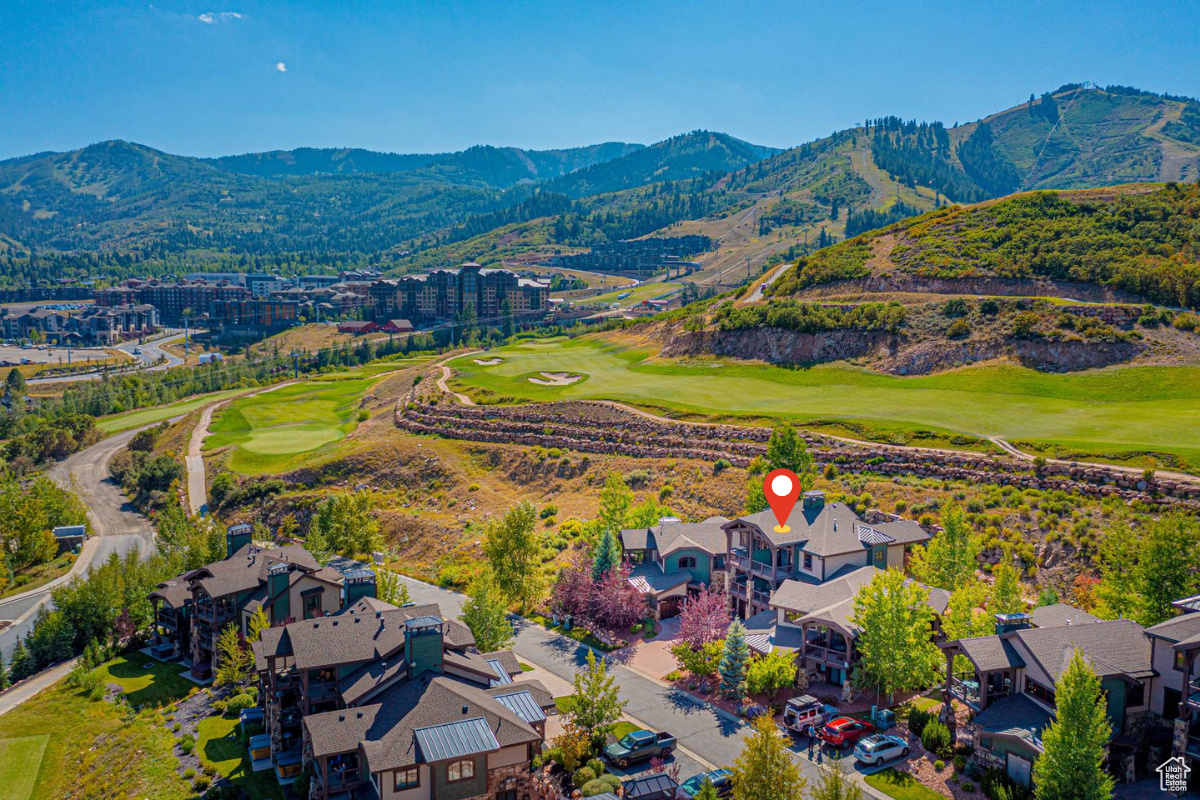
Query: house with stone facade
(191, 610)
(674, 558)
(1149, 677)
(396, 703)
(824, 541)
(814, 621)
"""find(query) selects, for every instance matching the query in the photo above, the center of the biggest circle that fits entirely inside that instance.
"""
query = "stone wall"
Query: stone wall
(593, 427)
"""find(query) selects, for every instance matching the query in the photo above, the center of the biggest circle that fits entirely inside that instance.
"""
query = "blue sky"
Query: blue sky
(226, 76)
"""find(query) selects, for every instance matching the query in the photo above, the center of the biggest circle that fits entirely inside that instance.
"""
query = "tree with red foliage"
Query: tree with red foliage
(705, 618)
(572, 594)
(616, 605)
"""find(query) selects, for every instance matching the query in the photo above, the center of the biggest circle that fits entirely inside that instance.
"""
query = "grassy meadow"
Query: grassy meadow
(1118, 413)
(148, 416)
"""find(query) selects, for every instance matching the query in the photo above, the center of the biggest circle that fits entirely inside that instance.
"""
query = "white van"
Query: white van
(800, 712)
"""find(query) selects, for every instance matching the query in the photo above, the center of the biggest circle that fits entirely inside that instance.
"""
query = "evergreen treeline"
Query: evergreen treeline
(986, 165)
(868, 219)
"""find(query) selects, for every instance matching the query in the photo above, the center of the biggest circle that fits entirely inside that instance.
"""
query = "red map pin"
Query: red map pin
(782, 489)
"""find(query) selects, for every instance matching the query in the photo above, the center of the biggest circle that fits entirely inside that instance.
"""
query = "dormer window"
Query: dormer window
(687, 562)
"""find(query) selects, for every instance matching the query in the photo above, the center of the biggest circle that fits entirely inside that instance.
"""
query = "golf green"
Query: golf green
(1116, 410)
(270, 430)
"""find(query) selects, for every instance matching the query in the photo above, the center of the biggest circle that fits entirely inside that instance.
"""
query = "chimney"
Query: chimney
(814, 499)
(1007, 623)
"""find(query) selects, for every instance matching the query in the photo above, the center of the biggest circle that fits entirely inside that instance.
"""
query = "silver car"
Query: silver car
(880, 747)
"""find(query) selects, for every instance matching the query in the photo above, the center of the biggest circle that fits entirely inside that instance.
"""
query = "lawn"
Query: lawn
(900, 785)
(20, 760)
(38, 575)
(272, 432)
(89, 750)
(146, 681)
(135, 419)
(1126, 409)
(220, 744)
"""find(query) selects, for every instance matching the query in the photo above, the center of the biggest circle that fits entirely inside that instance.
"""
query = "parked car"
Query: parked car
(722, 781)
(881, 747)
(639, 746)
(800, 712)
(845, 731)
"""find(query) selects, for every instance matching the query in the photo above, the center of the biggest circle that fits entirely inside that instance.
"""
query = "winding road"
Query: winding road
(116, 527)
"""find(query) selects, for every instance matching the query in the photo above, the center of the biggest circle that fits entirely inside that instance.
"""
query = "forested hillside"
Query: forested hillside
(117, 208)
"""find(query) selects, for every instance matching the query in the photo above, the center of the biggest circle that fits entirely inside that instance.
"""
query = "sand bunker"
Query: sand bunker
(556, 379)
(488, 362)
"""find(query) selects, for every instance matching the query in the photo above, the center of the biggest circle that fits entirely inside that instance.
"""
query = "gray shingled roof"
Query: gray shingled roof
(764, 634)
(803, 597)
(354, 636)
(649, 578)
(1113, 647)
(991, 653)
(829, 530)
(1177, 629)
(248, 567)
(1015, 716)
(1059, 614)
(370, 678)
(667, 537)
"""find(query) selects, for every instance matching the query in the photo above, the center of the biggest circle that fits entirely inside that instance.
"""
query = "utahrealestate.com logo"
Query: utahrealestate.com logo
(1173, 775)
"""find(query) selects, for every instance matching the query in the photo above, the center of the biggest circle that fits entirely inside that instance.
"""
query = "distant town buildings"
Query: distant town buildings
(447, 293)
(638, 255)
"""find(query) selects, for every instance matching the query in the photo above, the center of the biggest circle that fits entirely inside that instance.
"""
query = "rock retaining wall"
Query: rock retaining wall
(592, 427)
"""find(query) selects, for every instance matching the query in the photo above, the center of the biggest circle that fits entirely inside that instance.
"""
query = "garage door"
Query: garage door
(669, 607)
(1020, 769)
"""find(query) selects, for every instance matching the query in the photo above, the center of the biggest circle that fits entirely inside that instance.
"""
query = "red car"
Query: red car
(844, 731)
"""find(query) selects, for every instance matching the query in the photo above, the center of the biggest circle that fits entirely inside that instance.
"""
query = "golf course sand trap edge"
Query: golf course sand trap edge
(488, 362)
(556, 379)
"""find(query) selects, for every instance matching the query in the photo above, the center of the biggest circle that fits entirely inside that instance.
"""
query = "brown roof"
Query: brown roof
(1112, 647)
(385, 730)
(831, 529)
(357, 635)
(248, 567)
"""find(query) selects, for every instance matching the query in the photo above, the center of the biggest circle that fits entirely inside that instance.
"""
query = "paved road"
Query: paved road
(152, 352)
(116, 526)
(707, 738)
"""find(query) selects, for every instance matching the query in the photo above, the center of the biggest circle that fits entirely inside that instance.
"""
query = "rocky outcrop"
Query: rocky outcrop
(775, 345)
(1067, 356)
(894, 281)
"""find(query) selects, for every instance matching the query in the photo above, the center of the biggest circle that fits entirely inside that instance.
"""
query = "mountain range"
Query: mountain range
(121, 208)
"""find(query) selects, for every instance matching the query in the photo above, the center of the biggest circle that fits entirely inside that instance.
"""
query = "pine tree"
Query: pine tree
(486, 614)
(764, 770)
(4, 682)
(1072, 764)
(21, 662)
(606, 555)
(707, 791)
(735, 661)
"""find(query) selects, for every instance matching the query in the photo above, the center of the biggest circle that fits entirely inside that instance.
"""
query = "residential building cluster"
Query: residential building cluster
(373, 700)
(85, 324)
(649, 256)
(795, 593)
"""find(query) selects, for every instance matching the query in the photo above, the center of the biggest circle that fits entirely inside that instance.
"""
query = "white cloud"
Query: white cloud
(280, 66)
(213, 17)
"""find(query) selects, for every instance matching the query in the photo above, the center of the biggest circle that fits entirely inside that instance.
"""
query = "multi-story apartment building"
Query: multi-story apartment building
(446, 293)
(174, 301)
(193, 609)
(396, 703)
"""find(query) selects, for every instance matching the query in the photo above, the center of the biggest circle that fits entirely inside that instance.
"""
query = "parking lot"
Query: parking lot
(51, 355)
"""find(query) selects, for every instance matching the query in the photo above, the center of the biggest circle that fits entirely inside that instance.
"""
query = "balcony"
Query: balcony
(168, 619)
(965, 687)
(827, 655)
(761, 598)
(738, 590)
(321, 690)
(1193, 747)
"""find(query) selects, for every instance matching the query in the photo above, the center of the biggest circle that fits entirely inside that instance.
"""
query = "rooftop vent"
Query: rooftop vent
(466, 710)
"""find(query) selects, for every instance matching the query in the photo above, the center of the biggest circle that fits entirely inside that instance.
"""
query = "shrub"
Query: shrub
(720, 465)
(638, 478)
(936, 737)
(960, 764)
(939, 765)
(238, 704)
(597, 767)
(363, 415)
(189, 773)
(967, 787)
(917, 720)
(605, 783)
(958, 329)
(187, 744)
(201, 783)
(583, 776)
(548, 511)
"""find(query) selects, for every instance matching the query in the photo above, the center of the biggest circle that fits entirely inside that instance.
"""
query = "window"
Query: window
(687, 562)
(1136, 695)
(719, 562)
(1179, 661)
(408, 779)
(808, 561)
(1035, 689)
(312, 606)
(460, 770)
